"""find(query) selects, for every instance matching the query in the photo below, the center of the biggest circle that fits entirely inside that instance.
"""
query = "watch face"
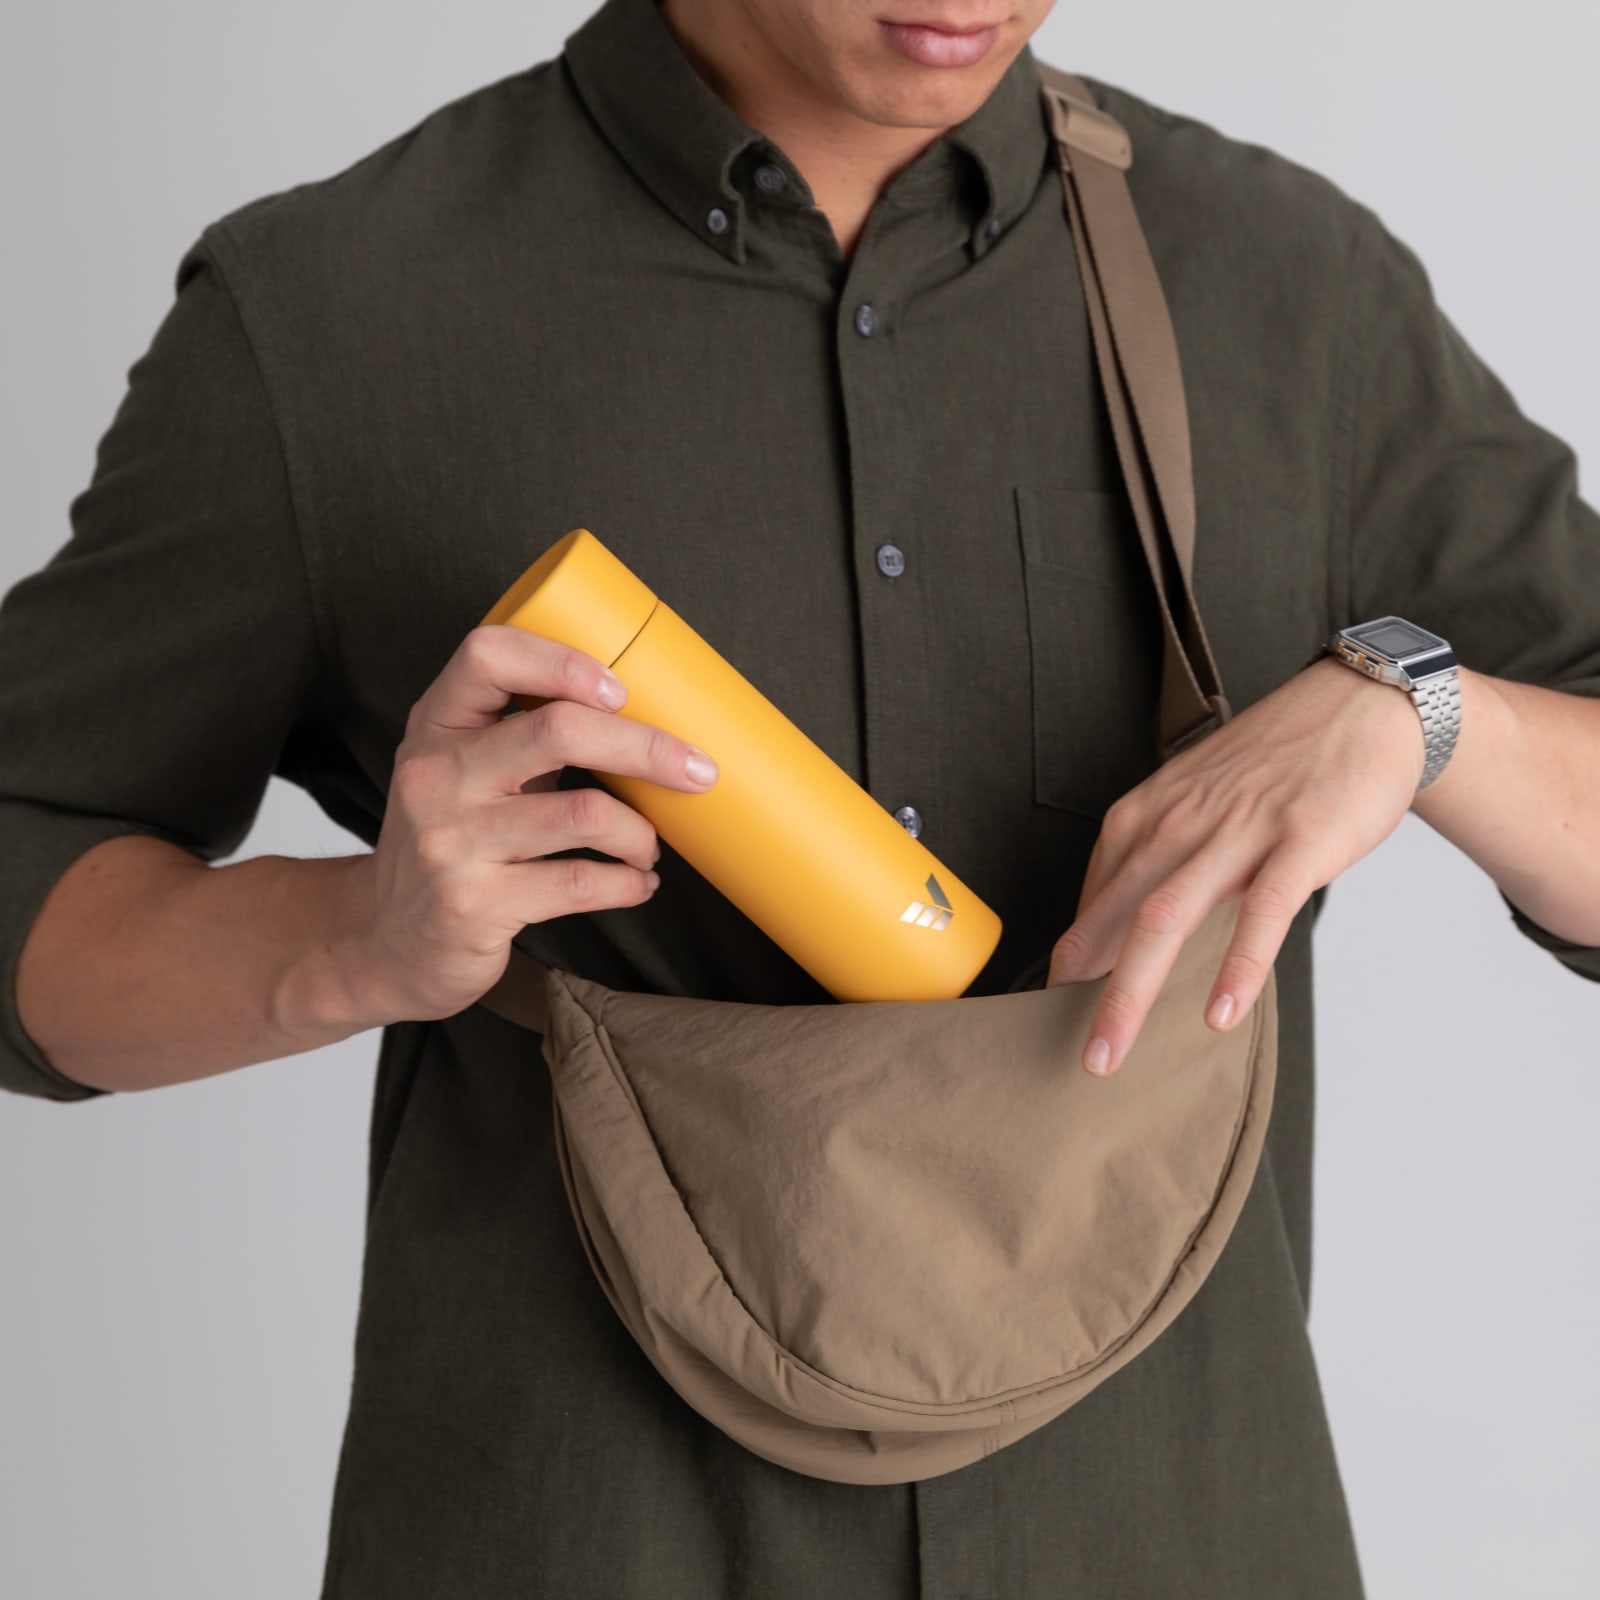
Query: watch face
(1395, 637)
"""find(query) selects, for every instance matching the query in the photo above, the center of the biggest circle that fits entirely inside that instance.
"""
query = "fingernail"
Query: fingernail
(700, 766)
(1097, 1058)
(612, 691)
(1221, 1010)
(653, 879)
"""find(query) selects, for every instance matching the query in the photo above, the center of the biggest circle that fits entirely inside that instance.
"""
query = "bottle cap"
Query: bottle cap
(581, 594)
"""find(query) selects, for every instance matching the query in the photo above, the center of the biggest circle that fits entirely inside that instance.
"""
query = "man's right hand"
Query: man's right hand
(474, 809)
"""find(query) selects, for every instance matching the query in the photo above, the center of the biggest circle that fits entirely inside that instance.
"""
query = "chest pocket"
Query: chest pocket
(1094, 641)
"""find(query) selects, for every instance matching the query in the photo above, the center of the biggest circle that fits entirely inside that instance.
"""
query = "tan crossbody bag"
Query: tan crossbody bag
(876, 1241)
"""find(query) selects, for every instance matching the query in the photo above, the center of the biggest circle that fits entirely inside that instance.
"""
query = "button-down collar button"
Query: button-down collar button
(910, 819)
(891, 560)
(770, 179)
(866, 321)
(992, 227)
(717, 220)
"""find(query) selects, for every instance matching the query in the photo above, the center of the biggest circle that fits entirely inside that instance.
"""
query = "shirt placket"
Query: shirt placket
(956, 1535)
(900, 691)
(897, 668)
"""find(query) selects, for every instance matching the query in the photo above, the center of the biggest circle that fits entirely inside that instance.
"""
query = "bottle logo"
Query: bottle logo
(935, 912)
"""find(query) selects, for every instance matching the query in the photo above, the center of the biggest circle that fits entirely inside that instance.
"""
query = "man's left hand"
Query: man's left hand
(1271, 806)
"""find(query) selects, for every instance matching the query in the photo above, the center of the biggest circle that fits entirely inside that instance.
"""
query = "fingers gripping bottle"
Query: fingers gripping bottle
(785, 832)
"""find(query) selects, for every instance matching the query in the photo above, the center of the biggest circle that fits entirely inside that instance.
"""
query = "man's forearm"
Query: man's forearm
(146, 967)
(1519, 796)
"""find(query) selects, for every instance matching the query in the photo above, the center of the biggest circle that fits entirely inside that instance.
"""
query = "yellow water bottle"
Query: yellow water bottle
(785, 832)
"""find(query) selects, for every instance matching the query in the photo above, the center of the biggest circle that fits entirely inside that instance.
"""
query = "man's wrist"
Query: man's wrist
(327, 991)
(1402, 654)
(1408, 738)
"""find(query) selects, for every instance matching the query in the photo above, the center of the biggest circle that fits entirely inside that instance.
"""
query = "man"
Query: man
(779, 298)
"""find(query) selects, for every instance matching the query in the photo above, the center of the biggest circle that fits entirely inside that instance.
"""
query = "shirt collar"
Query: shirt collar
(696, 154)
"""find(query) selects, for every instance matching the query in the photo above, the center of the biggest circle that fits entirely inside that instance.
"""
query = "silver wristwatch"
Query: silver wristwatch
(1395, 651)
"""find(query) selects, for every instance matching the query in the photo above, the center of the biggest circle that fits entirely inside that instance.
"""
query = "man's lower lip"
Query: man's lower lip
(932, 47)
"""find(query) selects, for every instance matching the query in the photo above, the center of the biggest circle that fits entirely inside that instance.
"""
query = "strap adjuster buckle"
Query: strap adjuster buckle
(1219, 713)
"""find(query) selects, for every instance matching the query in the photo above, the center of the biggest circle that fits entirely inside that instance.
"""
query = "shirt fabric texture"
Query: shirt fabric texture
(591, 295)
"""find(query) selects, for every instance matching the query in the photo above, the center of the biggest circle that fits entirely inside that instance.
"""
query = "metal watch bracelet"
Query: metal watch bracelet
(1438, 702)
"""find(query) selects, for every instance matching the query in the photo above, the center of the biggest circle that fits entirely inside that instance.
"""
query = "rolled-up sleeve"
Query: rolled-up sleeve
(1463, 514)
(163, 664)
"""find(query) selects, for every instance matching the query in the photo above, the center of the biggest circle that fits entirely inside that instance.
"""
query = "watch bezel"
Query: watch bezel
(1430, 660)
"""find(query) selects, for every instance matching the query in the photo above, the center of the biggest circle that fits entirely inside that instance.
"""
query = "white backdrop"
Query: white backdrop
(179, 1269)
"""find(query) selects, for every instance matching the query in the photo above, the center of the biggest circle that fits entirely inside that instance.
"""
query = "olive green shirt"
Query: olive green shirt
(591, 295)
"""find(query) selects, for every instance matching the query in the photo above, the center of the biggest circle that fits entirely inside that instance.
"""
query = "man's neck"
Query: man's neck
(846, 160)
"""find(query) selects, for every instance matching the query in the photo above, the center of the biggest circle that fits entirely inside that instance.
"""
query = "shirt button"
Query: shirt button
(910, 819)
(866, 321)
(717, 220)
(891, 560)
(770, 179)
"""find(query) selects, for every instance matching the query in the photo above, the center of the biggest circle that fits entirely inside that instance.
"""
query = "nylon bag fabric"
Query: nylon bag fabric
(875, 1242)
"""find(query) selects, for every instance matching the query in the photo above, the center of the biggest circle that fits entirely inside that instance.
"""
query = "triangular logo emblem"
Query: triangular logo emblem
(935, 912)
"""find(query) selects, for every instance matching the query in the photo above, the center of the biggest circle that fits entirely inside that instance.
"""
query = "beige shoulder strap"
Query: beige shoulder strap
(519, 994)
(1139, 370)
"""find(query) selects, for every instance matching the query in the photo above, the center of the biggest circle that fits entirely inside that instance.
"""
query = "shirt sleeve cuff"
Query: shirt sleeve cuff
(1580, 958)
(41, 842)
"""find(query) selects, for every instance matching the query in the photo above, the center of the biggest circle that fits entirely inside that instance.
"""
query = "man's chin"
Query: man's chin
(923, 97)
